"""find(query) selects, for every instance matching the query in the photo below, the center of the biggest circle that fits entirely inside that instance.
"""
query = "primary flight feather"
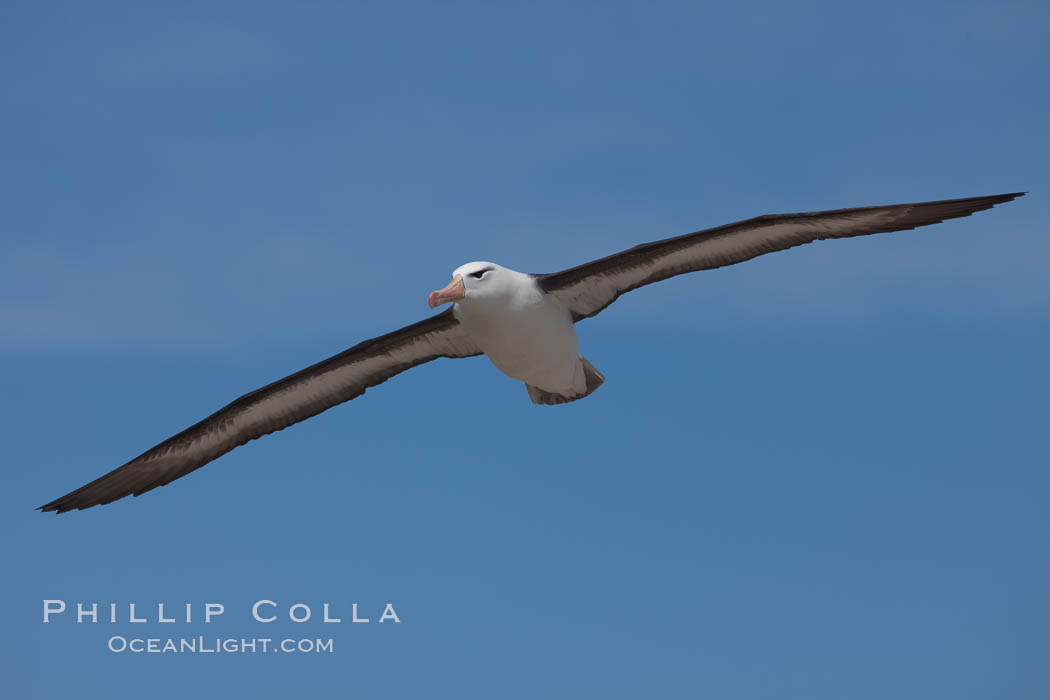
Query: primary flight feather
(522, 322)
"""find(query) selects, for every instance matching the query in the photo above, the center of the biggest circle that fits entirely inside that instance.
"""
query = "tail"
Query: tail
(594, 380)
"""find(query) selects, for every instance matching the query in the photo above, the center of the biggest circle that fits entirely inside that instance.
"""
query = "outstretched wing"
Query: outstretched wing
(589, 288)
(276, 406)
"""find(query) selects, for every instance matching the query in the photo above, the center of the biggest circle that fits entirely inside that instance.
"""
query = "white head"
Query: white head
(477, 283)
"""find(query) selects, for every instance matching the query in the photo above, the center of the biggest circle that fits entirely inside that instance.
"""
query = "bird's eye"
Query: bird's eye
(479, 274)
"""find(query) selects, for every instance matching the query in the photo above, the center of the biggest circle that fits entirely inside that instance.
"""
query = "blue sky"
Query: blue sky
(818, 474)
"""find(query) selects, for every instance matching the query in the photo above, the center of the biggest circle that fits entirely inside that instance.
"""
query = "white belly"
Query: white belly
(532, 339)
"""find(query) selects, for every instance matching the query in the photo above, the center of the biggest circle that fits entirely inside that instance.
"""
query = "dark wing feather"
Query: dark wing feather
(290, 400)
(589, 288)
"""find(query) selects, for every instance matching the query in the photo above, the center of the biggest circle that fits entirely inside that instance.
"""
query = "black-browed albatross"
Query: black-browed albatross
(523, 322)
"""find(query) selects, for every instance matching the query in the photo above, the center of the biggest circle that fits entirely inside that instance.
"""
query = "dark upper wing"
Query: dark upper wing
(589, 288)
(290, 400)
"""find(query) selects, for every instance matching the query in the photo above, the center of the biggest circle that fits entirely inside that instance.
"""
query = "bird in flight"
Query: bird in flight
(523, 322)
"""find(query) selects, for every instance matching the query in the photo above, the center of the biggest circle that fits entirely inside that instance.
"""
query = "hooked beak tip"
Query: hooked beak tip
(453, 292)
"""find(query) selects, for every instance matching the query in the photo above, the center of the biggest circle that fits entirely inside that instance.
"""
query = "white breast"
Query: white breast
(529, 336)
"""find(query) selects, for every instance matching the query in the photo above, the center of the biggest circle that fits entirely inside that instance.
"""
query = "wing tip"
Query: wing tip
(106, 489)
(80, 500)
(67, 503)
(59, 506)
(1002, 198)
(958, 208)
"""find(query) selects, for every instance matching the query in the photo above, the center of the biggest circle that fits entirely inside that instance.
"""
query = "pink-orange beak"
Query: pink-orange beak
(453, 292)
